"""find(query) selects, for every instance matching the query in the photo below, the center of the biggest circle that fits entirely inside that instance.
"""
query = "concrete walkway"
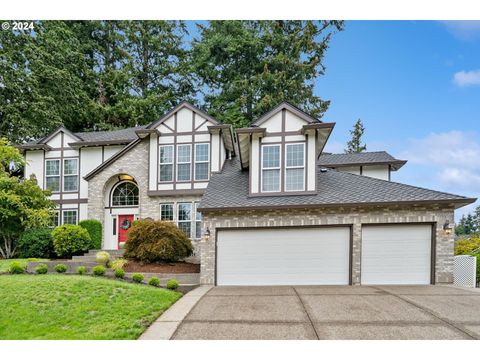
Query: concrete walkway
(332, 312)
(165, 326)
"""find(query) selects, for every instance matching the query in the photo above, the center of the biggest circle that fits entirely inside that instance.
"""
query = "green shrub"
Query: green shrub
(41, 269)
(137, 277)
(81, 270)
(151, 241)
(32, 259)
(118, 264)
(16, 267)
(102, 257)
(466, 246)
(172, 284)
(60, 268)
(119, 273)
(36, 243)
(94, 228)
(70, 240)
(154, 281)
(99, 270)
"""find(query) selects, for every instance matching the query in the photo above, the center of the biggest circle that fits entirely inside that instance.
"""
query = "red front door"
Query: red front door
(124, 223)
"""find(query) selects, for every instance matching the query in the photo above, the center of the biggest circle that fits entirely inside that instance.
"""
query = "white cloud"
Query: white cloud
(466, 78)
(464, 29)
(454, 158)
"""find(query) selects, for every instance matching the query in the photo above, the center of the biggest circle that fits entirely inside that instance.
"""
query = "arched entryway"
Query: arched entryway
(121, 209)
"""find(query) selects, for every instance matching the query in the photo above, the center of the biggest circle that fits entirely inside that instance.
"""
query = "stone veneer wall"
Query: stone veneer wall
(355, 216)
(134, 163)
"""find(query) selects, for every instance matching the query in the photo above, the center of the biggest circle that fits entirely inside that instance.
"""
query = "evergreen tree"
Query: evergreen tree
(244, 68)
(355, 144)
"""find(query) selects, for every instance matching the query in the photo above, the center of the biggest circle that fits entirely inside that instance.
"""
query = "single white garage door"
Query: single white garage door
(396, 254)
(296, 256)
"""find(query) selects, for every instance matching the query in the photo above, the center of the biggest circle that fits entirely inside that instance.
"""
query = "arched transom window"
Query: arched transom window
(125, 194)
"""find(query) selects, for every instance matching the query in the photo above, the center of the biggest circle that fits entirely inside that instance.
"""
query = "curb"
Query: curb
(165, 326)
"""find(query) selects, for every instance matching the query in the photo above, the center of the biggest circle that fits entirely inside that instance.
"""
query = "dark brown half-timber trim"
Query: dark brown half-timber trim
(316, 126)
(71, 201)
(350, 226)
(176, 192)
(433, 243)
(452, 202)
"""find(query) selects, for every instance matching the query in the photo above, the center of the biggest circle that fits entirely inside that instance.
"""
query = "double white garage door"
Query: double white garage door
(397, 254)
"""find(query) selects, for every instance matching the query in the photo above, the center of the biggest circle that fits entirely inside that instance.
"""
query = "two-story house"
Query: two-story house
(263, 205)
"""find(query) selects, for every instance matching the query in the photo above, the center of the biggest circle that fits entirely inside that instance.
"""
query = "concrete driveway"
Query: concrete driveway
(334, 312)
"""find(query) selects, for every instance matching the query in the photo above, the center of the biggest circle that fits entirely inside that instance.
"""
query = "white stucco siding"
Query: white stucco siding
(254, 166)
(111, 150)
(34, 165)
(273, 124)
(153, 151)
(215, 160)
(311, 161)
(293, 122)
(376, 171)
(90, 158)
(184, 120)
(56, 141)
(83, 213)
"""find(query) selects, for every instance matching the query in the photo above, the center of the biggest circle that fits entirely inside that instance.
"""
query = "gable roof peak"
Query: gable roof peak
(285, 105)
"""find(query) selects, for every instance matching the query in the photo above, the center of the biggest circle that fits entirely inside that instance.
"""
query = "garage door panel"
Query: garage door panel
(283, 256)
(396, 254)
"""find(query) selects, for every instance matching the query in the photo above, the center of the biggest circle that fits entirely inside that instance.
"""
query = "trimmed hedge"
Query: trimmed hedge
(152, 241)
(61, 268)
(16, 267)
(70, 240)
(137, 277)
(41, 269)
(94, 228)
(172, 284)
(36, 243)
(99, 270)
(154, 281)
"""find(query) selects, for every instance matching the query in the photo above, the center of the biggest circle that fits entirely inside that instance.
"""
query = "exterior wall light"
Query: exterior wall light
(447, 229)
(206, 234)
(125, 177)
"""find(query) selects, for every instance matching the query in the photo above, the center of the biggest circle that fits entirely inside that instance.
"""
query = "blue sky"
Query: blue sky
(416, 87)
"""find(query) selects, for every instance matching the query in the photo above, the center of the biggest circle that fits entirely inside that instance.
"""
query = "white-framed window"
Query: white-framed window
(56, 218)
(271, 168)
(202, 155)
(70, 175)
(295, 167)
(69, 217)
(125, 194)
(198, 223)
(166, 163)
(52, 175)
(184, 218)
(184, 162)
(166, 212)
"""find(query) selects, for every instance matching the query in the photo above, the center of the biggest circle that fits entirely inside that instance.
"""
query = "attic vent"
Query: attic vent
(323, 170)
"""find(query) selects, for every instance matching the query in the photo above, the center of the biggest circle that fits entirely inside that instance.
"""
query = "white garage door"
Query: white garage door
(396, 254)
(297, 256)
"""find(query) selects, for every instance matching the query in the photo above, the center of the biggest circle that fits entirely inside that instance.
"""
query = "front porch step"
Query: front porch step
(118, 253)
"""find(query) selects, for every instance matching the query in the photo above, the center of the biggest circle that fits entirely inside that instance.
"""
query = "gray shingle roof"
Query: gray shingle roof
(114, 135)
(229, 189)
(356, 158)
(122, 135)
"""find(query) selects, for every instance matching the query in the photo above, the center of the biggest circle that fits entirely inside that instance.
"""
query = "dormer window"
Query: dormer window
(271, 168)
(295, 167)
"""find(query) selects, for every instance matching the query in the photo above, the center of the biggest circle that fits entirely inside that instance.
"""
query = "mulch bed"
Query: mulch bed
(171, 268)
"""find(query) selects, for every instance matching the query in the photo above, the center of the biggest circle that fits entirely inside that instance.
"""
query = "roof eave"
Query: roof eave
(456, 203)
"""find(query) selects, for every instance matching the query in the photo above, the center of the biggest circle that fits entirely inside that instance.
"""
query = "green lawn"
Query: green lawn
(4, 264)
(77, 307)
